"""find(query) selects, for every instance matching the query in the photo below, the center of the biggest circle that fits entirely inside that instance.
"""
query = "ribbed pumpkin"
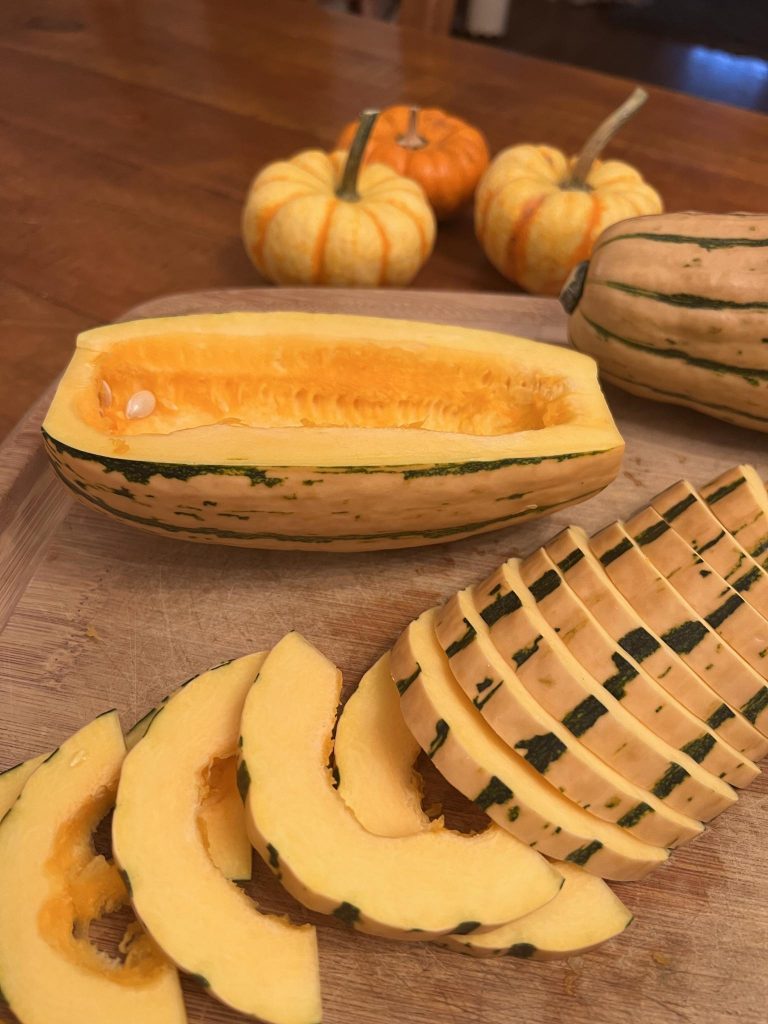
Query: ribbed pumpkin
(319, 219)
(675, 308)
(443, 153)
(538, 212)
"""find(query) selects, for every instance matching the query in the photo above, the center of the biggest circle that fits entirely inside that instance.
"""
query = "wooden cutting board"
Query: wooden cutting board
(96, 615)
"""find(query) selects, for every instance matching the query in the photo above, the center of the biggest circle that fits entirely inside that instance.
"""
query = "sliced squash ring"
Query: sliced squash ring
(54, 885)
(738, 498)
(259, 964)
(411, 887)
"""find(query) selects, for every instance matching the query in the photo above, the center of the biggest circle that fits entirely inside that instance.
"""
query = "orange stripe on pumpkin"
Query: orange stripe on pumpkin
(584, 249)
(515, 261)
(262, 227)
(318, 256)
(419, 226)
(384, 244)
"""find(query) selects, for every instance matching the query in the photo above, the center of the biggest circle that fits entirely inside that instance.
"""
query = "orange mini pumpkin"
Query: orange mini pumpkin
(319, 219)
(538, 212)
(444, 154)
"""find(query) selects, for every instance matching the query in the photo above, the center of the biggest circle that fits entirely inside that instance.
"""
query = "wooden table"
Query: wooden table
(129, 132)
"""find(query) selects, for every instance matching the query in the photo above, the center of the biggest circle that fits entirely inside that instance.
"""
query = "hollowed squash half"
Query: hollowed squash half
(326, 431)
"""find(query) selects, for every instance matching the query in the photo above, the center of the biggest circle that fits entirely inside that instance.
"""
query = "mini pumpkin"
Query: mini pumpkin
(444, 154)
(319, 218)
(538, 212)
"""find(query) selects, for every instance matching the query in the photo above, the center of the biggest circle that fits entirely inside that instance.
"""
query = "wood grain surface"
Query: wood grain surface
(129, 133)
(97, 615)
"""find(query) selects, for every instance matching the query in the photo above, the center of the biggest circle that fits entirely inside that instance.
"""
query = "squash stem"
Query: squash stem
(602, 135)
(411, 139)
(347, 189)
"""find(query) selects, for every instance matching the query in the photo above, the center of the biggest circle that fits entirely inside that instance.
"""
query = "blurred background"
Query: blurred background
(715, 49)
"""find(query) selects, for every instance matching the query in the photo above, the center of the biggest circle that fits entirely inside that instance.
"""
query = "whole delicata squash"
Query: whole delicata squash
(674, 308)
(330, 432)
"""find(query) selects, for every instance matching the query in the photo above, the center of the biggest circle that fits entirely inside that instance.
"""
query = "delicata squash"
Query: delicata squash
(331, 432)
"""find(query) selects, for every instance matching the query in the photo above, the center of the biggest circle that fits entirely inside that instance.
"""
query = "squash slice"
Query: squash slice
(375, 752)
(54, 884)
(738, 741)
(470, 755)
(659, 603)
(259, 964)
(587, 709)
(738, 498)
(13, 780)
(307, 430)
(411, 887)
(220, 816)
(545, 743)
(719, 603)
(690, 517)
(698, 792)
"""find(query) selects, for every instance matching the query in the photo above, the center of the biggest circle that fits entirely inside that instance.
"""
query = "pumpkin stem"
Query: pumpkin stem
(411, 139)
(347, 189)
(602, 135)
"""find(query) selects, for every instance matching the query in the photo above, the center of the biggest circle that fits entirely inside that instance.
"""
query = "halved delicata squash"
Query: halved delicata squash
(257, 963)
(412, 887)
(375, 754)
(54, 885)
(326, 431)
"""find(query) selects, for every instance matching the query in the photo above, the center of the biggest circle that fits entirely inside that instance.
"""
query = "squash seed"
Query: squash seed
(105, 395)
(140, 405)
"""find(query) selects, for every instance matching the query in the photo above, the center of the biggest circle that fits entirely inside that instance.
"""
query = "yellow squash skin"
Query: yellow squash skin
(535, 227)
(297, 230)
(674, 308)
(328, 432)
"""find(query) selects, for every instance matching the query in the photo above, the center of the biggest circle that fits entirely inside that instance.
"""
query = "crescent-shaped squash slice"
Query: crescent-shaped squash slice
(220, 816)
(582, 572)
(53, 884)
(375, 752)
(470, 755)
(411, 887)
(259, 964)
(13, 780)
